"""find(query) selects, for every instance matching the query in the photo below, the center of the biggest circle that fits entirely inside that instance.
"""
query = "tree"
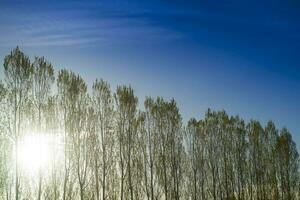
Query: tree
(126, 110)
(270, 154)
(213, 152)
(4, 143)
(174, 132)
(149, 141)
(288, 160)
(79, 136)
(63, 96)
(240, 152)
(192, 144)
(52, 126)
(256, 141)
(42, 81)
(103, 105)
(18, 76)
(110, 148)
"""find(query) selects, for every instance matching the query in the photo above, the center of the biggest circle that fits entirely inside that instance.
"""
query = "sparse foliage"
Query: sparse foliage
(111, 148)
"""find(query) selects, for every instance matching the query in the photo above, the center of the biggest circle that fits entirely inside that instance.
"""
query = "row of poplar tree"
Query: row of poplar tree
(112, 149)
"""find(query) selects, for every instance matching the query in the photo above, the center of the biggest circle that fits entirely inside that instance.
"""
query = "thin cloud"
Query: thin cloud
(61, 29)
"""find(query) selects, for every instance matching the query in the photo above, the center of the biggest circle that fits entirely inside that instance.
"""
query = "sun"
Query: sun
(34, 153)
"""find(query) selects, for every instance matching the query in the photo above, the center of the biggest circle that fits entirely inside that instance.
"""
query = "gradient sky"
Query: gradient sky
(241, 56)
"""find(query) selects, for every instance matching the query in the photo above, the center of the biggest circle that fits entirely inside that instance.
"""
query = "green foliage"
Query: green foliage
(113, 149)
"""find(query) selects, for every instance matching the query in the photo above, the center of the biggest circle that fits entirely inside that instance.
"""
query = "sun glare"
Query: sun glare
(34, 153)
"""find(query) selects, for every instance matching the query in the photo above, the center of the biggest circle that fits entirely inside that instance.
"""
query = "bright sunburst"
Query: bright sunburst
(35, 153)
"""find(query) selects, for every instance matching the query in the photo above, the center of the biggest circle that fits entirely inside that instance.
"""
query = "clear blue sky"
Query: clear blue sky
(241, 56)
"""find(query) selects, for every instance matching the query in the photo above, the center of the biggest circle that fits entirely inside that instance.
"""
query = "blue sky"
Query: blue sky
(241, 56)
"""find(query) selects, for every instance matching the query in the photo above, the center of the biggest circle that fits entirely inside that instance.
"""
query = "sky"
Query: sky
(241, 56)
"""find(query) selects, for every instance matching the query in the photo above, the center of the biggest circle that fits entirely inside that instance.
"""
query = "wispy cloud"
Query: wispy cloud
(74, 26)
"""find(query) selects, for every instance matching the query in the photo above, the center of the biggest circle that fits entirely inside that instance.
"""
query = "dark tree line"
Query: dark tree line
(110, 148)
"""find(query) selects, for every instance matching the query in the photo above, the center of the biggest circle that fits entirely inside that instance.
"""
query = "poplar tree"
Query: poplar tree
(103, 140)
(18, 72)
